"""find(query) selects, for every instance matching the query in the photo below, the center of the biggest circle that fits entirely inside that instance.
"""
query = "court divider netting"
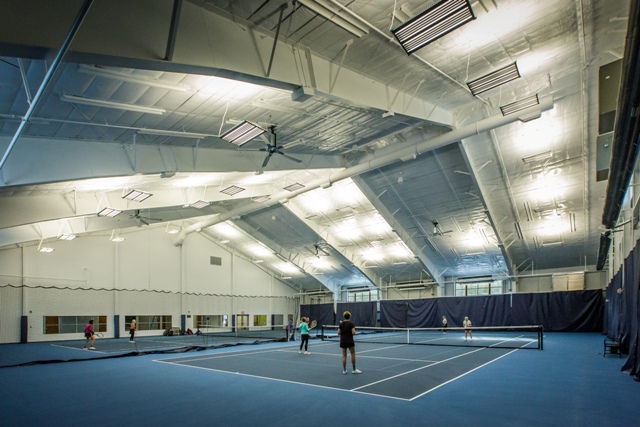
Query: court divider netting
(524, 337)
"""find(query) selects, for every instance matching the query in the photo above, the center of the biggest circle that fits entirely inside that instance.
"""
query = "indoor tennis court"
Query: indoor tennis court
(394, 371)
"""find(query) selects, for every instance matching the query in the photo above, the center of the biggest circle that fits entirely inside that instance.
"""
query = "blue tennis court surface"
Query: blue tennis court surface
(394, 371)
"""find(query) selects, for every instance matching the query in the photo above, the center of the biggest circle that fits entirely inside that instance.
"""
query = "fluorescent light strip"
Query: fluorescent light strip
(199, 204)
(110, 212)
(242, 133)
(111, 104)
(494, 79)
(137, 195)
(328, 11)
(538, 157)
(433, 23)
(118, 239)
(232, 190)
(294, 187)
(67, 236)
(45, 249)
(260, 199)
(175, 133)
(130, 78)
(514, 107)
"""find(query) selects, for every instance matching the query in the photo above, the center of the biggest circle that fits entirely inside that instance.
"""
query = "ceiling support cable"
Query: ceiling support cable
(415, 146)
(47, 78)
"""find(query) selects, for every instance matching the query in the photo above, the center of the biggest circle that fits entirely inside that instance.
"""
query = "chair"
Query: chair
(611, 346)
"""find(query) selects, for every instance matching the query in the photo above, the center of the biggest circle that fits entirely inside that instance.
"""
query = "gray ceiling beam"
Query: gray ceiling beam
(206, 43)
(41, 160)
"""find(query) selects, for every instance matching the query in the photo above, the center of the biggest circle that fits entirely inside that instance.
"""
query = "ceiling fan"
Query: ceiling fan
(146, 220)
(273, 148)
(437, 230)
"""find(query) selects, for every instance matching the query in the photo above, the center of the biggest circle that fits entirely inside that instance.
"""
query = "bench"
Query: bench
(611, 346)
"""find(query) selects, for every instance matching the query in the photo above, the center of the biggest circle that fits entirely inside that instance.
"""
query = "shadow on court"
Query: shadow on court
(394, 371)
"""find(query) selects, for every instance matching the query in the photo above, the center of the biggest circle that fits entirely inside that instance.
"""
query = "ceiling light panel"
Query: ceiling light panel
(242, 133)
(433, 23)
(494, 79)
(137, 195)
(294, 187)
(232, 190)
(130, 78)
(199, 204)
(110, 212)
(514, 107)
(67, 236)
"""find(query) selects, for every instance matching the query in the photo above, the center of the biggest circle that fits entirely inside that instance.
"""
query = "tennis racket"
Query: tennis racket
(313, 324)
(99, 334)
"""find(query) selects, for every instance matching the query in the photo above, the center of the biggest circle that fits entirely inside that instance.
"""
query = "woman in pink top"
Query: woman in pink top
(89, 335)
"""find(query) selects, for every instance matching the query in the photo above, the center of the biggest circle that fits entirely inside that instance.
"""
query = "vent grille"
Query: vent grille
(214, 260)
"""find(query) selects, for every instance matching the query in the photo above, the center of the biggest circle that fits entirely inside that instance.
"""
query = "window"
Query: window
(491, 287)
(150, 323)
(73, 324)
(212, 320)
(259, 320)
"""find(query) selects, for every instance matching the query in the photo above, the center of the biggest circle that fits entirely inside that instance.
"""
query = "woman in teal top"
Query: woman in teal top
(304, 335)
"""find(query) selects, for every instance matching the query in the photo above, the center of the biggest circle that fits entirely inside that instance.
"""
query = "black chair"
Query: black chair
(611, 346)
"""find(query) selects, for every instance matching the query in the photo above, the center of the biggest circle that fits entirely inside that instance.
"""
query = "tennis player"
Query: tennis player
(89, 335)
(304, 335)
(347, 330)
(467, 328)
(132, 330)
(444, 324)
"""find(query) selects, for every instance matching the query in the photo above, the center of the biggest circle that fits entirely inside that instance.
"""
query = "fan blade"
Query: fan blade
(266, 159)
(290, 158)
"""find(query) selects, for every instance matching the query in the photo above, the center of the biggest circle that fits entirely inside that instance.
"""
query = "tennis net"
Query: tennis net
(525, 337)
(273, 332)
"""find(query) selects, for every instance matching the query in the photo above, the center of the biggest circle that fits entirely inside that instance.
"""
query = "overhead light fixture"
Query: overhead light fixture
(494, 79)
(286, 277)
(538, 157)
(232, 190)
(110, 212)
(111, 104)
(332, 14)
(525, 103)
(137, 195)
(174, 133)
(258, 261)
(130, 78)
(67, 236)
(294, 187)
(433, 23)
(242, 133)
(117, 239)
(45, 249)
(225, 241)
(199, 204)
(260, 199)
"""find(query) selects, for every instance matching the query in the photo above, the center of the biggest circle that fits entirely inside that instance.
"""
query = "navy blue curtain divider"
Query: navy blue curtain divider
(576, 311)
(362, 313)
(321, 313)
(393, 313)
(631, 295)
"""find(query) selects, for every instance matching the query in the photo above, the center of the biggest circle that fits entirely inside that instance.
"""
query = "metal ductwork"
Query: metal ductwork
(411, 148)
(627, 128)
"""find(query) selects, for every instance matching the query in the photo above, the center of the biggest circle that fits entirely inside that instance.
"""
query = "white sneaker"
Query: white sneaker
(92, 348)
(300, 352)
(344, 372)
(357, 371)
(306, 352)
(84, 348)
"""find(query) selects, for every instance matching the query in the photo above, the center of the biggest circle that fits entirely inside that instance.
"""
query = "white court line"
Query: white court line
(76, 348)
(286, 381)
(460, 376)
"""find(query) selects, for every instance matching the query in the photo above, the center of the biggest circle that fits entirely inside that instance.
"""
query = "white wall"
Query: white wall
(144, 275)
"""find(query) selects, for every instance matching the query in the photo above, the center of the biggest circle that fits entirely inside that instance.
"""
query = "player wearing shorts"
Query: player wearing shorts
(89, 335)
(347, 330)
